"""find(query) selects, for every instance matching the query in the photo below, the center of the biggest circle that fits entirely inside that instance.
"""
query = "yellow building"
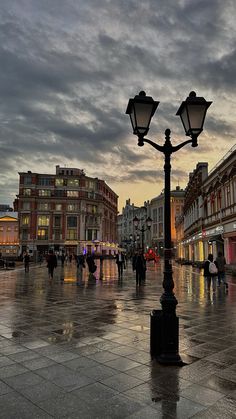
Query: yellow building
(9, 235)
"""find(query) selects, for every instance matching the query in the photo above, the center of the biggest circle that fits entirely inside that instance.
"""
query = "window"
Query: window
(154, 215)
(71, 234)
(57, 234)
(43, 220)
(43, 206)
(59, 182)
(227, 195)
(42, 234)
(1, 228)
(72, 207)
(8, 229)
(45, 181)
(44, 192)
(73, 182)
(26, 192)
(26, 206)
(160, 214)
(91, 185)
(24, 235)
(92, 209)
(57, 221)
(25, 219)
(160, 230)
(71, 222)
(27, 180)
(59, 192)
(72, 194)
(90, 234)
(16, 229)
(58, 207)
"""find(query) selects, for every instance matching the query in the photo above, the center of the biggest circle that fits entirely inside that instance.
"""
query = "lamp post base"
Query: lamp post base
(164, 338)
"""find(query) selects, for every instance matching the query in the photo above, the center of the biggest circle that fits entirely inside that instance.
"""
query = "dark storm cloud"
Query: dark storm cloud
(69, 68)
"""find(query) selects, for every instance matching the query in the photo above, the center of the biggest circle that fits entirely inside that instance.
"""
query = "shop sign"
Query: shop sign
(214, 231)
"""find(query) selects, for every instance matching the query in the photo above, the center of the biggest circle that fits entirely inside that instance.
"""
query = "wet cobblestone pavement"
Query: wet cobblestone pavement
(72, 350)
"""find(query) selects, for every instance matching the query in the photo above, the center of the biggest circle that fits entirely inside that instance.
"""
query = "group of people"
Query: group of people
(138, 264)
(215, 270)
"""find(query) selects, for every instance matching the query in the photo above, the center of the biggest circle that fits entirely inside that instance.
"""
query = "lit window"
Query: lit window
(72, 207)
(43, 220)
(71, 234)
(43, 206)
(25, 219)
(8, 228)
(73, 182)
(26, 192)
(58, 207)
(59, 182)
(42, 234)
(73, 194)
(44, 192)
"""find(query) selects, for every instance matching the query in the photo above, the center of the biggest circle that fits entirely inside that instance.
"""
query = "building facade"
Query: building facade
(157, 214)
(68, 211)
(9, 235)
(209, 218)
(129, 237)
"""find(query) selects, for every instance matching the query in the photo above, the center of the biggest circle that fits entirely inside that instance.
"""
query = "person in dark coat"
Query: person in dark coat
(52, 263)
(62, 259)
(80, 267)
(140, 268)
(220, 263)
(26, 261)
(91, 265)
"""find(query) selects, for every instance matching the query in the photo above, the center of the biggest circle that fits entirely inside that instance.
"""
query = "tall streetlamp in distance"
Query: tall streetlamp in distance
(164, 342)
(146, 225)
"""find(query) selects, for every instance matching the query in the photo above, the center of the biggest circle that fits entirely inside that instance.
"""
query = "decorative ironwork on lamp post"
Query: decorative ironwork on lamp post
(164, 323)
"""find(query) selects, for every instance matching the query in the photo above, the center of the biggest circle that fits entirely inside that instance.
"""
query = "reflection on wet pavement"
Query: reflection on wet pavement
(82, 345)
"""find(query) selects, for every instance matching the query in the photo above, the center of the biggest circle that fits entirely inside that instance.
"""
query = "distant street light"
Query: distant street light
(146, 225)
(164, 324)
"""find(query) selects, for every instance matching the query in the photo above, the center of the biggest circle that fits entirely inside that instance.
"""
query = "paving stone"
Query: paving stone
(84, 350)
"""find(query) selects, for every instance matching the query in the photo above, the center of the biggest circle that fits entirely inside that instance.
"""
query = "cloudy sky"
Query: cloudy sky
(69, 67)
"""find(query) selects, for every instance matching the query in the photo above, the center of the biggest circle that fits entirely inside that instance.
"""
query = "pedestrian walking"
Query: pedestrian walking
(52, 263)
(210, 272)
(26, 259)
(92, 267)
(220, 263)
(140, 268)
(80, 267)
(120, 261)
(62, 260)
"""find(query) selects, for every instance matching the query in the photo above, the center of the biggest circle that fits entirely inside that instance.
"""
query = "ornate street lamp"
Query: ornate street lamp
(164, 323)
(146, 225)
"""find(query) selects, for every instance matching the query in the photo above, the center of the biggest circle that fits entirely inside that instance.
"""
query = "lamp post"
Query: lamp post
(164, 343)
(144, 228)
(134, 240)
